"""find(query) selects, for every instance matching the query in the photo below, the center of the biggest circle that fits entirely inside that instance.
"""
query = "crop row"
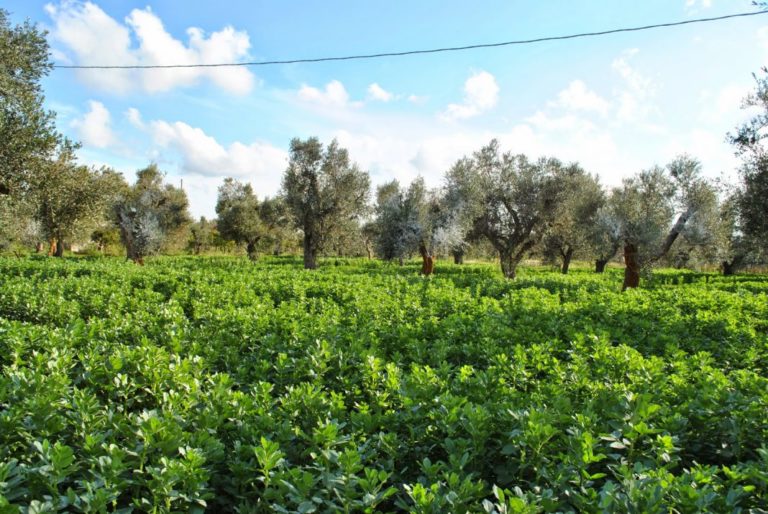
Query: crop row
(214, 383)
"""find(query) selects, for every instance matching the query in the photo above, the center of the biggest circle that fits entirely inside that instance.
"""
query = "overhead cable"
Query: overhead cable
(406, 52)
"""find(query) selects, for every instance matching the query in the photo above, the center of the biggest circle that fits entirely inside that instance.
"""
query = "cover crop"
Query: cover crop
(199, 384)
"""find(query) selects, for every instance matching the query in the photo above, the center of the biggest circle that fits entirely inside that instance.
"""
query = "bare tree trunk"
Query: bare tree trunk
(632, 267)
(458, 256)
(59, 248)
(401, 261)
(310, 251)
(567, 256)
(729, 268)
(427, 260)
(600, 265)
(508, 264)
(250, 249)
(369, 251)
(674, 232)
(51, 246)
(278, 248)
(39, 247)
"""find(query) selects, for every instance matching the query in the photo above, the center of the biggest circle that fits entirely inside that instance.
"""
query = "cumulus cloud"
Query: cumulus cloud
(376, 92)
(705, 145)
(635, 101)
(134, 117)
(695, 5)
(90, 36)
(94, 128)
(203, 162)
(577, 97)
(201, 154)
(334, 94)
(481, 93)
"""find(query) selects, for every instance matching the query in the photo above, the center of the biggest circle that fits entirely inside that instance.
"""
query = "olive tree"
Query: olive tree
(276, 217)
(148, 213)
(28, 137)
(201, 235)
(654, 207)
(749, 141)
(322, 189)
(70, 199)
(511, 200)
(576, 215)
(400, 216)
(239, 217)
(605, 233)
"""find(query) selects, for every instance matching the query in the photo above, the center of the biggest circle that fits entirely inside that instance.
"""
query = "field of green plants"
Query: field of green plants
(218, 385)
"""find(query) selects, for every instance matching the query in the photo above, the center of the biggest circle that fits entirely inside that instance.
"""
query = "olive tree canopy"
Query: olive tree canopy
(322, 189)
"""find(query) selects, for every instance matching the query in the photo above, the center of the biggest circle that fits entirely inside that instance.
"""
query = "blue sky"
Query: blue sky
(616, 104)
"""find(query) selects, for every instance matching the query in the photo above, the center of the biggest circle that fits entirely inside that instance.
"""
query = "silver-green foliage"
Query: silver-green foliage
(322, 188)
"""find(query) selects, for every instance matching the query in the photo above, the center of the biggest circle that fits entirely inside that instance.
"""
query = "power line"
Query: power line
(411, 52)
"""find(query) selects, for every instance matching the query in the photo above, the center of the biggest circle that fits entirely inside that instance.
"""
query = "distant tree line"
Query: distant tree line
(491, 202)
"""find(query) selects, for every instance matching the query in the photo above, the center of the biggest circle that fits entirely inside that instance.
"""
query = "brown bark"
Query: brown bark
(508, 264)
(567, 256)
(59, 248)
(310, 252)
(730, 267)
(428, 260)
(51, 246)
(632, 267)
(39, 247)
(250, 249)
(458, 256)
(600, 265)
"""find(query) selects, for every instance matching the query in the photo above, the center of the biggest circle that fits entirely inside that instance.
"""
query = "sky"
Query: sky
(616, 104)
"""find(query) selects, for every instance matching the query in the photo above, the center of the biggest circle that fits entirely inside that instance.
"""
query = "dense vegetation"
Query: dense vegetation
(219, 384)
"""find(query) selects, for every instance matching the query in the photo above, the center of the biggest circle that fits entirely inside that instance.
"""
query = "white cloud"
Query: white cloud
(635, 101)
(577, 97)
(201, 154)
(417, 99)
(91, 36)
(481, 93)
(376, 92)
(94, 128)
(203, 162)
(695, 5)
(568, 122)
(334, 94)
(706, 146)
(134, 117)
(724, 107)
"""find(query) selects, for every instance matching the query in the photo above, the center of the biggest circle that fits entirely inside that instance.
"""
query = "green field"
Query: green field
(215, 384)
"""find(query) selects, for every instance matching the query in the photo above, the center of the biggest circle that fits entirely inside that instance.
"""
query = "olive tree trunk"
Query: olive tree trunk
(600, 265)
(632, 267)
(427, 260)
(310, 250)
(567, 256)
(250, 249)
(509, 262)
